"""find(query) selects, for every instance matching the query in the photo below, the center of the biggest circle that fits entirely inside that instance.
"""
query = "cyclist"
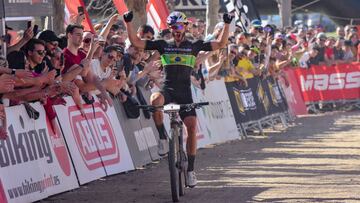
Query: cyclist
(178, 56)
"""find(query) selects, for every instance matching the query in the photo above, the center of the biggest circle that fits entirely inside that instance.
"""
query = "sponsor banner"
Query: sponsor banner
(148, 127)
(293, 94)
(96, 142)
(321, 83)
(16, 8)
(259, 99)
(276, 102)
(34, 162)
(218, 116)
(135, 136)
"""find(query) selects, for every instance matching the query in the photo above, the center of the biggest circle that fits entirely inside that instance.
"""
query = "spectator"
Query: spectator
(305, 61)
(85, 45)
(146, 32)
(338, 50)
(348, 54)
(51, 44)
(329, 51)
(102, 68)
(320, 57)
(340, 32)
(79, 64)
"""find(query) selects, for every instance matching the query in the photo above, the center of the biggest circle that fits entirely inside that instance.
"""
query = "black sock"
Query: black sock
(162, 132)
(191, 160)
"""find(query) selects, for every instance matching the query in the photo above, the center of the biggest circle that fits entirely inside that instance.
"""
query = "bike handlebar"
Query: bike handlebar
(186, 107)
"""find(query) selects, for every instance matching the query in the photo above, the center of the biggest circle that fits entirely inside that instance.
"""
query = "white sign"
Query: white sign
(96, 142)
(34, 162)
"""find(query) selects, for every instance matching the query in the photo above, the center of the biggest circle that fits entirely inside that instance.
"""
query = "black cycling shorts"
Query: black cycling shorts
(183, 96)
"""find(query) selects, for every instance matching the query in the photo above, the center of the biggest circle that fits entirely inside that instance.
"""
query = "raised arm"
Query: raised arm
(215, 45)
(134, 39)
(106, 30)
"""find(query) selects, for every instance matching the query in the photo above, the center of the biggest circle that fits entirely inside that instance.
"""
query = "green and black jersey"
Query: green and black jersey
(179, 61)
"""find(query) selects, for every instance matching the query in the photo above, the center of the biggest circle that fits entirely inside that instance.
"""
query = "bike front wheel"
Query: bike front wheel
(173, 159)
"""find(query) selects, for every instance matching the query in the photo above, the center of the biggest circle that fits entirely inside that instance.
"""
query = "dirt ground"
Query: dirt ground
(316, 160)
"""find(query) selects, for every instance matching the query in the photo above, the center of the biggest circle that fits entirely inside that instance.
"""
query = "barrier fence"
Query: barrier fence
(41, 158)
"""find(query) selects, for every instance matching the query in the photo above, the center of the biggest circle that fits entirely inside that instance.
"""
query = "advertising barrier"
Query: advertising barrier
(34, 161)
(217, 120)
(137, 136)
(293, 94)
(322, 83)
(259, 99)
(96, 141)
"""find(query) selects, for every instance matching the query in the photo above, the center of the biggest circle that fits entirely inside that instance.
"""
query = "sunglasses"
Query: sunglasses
(177, 27)
(40, 52)
(233, 52)
(111, 57)
(54, 43)
(87, 40)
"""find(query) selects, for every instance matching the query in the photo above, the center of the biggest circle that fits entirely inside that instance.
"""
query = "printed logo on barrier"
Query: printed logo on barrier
(245, 100)
(94, 136)
(334, 81)
(24, 146)
(59, 147)
(272, 93)
(3, 198)
(263, 97)
(239, 101)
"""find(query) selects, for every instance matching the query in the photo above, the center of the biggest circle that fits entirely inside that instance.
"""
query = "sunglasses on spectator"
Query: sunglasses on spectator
(87, 40)
(177, 27)
(111, 57)
(54, 43)
(233, 52)
(40, 52)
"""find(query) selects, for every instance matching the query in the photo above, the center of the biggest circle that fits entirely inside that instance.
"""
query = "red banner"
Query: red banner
(322, 83)
(71, 11)
(293, 94)
(156, 12)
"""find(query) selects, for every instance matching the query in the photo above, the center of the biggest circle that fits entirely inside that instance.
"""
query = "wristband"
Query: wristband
(13, 71)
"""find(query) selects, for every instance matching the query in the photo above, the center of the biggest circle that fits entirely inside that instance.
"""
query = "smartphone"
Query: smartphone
(80, 10)
(29, 23)
(35, 29)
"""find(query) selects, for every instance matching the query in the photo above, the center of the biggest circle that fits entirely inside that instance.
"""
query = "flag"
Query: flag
(156, 12)
(71, 10)
(244, 10)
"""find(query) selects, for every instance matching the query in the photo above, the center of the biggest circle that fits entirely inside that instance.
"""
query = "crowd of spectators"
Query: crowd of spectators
(46, 66)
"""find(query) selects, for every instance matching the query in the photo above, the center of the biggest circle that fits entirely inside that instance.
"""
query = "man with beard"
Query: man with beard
(51, 44)
(178, 57)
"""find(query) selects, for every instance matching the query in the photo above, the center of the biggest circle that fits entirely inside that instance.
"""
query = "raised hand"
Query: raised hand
(228, 18)
(128, 16)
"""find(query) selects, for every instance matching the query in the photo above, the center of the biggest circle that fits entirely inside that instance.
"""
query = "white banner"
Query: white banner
(97, 145)
(217, 119)
(34, 162)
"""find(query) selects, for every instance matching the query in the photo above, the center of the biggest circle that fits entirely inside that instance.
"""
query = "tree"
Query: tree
(139, 9)
(285, 12)
(212, 11)
(59, 7)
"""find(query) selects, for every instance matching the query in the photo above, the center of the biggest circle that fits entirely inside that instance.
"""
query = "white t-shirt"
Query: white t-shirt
(98, 71)
(303, 61)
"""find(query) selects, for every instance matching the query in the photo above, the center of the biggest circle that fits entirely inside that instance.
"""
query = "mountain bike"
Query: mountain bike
(177, 158)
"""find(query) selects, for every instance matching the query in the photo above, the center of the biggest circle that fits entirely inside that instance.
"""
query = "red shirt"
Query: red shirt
(329, 52)
(71, 59)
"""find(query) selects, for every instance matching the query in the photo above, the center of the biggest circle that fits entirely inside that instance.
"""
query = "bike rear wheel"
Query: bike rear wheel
(173, 158)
